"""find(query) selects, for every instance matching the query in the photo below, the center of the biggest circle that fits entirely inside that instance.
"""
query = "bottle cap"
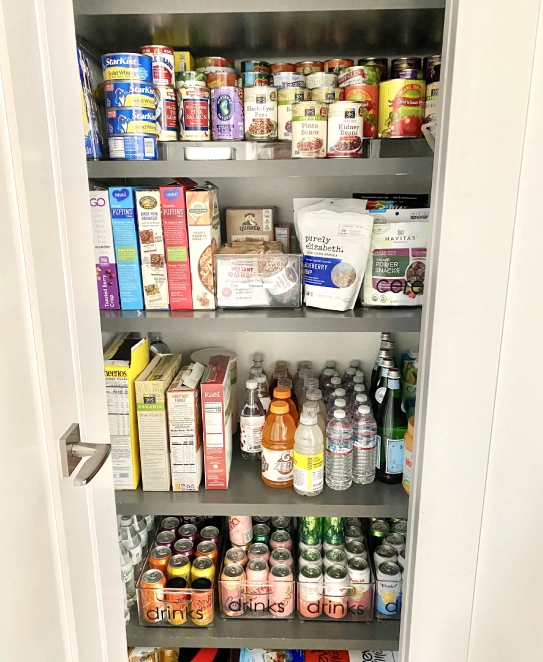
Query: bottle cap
(336, 373)
(358, 379)
(350, 371)
(359, 373)
(329, 372)
(339, 392)
(411, 424)
(364, 409)
(251, 383)
(281, 392)
(303, 364)
(394, 373)
(389, 363)
(339, 413)
(281, 364)
(359, 388)
(361, 397)
(261, 379)
(313, 394)
(258, 356)
(308, 418)
(335, 381)
(126, 520)
(413, 353)
(330, 364)
(279, 372)
(305, 372)
(285, 381)
(355, 363)
(311, 382)
(279, 407)
(340, 402)
(311, 405)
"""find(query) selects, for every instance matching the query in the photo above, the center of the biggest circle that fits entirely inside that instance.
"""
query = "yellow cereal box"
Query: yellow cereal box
(183, 61)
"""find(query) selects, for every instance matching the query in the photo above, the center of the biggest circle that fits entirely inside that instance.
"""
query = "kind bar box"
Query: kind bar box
(176, 241)
(125, 236)
(185, 428)
(250, 223)
(124, 360)
(153, 258)
(151, 387)
(104, 251)
(217, 422)
(204, 241)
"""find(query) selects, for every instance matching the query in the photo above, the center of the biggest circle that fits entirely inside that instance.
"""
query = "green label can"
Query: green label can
(334, 530)
(401, 108)
(310, 530)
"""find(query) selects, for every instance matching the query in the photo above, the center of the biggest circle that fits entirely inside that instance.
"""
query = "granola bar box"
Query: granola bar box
(250, 223)
(153, 258)
(204, 241)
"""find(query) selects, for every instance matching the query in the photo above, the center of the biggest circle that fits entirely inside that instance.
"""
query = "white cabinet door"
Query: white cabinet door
(52, 351)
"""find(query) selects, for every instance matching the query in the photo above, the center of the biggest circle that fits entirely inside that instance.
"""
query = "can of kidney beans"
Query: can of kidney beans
(368, 96)
(345, 129)
(227, 113)
(166, 113)
(163, 64)
(193, 108)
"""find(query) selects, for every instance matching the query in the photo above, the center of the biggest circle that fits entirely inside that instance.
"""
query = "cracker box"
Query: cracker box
(153, 258)
(250, 223)
(217, 422)
(176, 242)
(204, 241)
(185, 428)
(125, 237)
(151, 387)
(104, 251)
(124, 359)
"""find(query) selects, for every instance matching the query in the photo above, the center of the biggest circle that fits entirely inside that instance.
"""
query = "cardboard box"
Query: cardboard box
(282, 234)
(185, 428)
(183, 61)
(204, 241)
(217, 422)
(176, 242)
(153, 258)
(151, 387)
(250, 223)
(104, 251)
(125, 236)
(124, 360)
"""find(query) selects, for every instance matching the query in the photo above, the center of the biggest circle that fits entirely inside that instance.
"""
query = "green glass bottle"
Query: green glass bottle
(391, 426)
(384, 353)
(382, 384)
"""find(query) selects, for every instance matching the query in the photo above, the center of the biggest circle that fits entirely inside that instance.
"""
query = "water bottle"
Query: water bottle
(358, 380)
(150, 521)
(329, 365)
(338, 393)
(348, 376)
(364, 446)
(140, 526)
(251, 421)
(308, 455)
(355, 363)
(309, 383)
(132, 542)
(361, 399)
(340, 403)
(339, 452)
(299, 387)
(263, 393)
(335, 382)
(127, 571)
(325, 377)
(125, 601)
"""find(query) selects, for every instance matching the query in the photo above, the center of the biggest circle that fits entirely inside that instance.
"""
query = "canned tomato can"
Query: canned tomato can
(279, 67)
(286, 96)
(282, 591)
(257, 66)
(189, 532)
(401, 108)
(389, 589)
(431, 67)
(221, 80)
(334, 66)
(309, 67)
(127, 66)
(361, 597)
(353, 533)
(411, 74)
(310, 590)
(178, 566)
(309, 124)
(209, 549)
(185, 547)
(165, 538)
(368, 96)
(259, 550)
(327, 94)
(361, 75)
(177, 600)
(211, 533)
(257, 589)
(170, 524)
(231, 591)
(310, 557)
(193, 109)
(336, 591)
(321, 79)
(404, 63)
(166, 113)
(129, 94)
(190, 79)
(281, 524)
(202, 609)
(159, 558)
(260, 110)
(237, 556)
(288, 79)
(381, 62)
(152, 584)
(281, 538)
(241, 529)
(384, 553)
(163, 63)
(254, 79)
(345, 132)
(202, 567)
(130, 120)
(281, 556)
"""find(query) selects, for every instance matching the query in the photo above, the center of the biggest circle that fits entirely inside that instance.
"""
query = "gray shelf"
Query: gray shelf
(235, 633)
(247, 495)
(303, 319)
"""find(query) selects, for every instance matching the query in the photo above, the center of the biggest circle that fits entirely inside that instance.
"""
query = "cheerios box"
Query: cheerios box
(204, 225)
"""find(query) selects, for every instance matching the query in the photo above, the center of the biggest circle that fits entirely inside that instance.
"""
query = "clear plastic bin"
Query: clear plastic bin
(347, 603)
(248, 600)
(388, 600)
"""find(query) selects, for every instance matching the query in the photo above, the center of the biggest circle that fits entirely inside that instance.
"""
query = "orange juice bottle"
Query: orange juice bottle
(278, 446)
(284, 393)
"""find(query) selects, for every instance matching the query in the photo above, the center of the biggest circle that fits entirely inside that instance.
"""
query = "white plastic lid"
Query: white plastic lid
(340, 402)
(358, 379)
(336, 373)
(361, 397)
(313, 394)
(359, 388)
(339, 413)
(414, 353)
(359, 373)
(308, 418)
(251, 383)
(350, 371)
(364, 409)
(258, 356)
(126, 520)
(329, 372)
(311, 382)
(340, 392)
(330, 364)
(354, 363)
(311, 405)
(261, 379)
(335, 380)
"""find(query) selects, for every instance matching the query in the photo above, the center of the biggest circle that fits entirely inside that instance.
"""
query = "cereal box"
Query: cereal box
(185, 428)
(217, 422)
(153, 259)
(104, 252)
(151, 387)
(204, 241)
(125, 236)
(183, 61)
(176, 241)
(124, 359)
(250, 224)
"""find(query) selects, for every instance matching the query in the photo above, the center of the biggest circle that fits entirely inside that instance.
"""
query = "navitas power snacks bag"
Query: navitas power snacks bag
(396, 267)
(334, 236)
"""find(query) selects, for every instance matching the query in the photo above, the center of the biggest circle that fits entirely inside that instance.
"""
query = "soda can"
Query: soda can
(165, 539)
(241, 529)
(202, 611)
(262, 519)
(310, 591)
(259, 550)
(185, 547)
(281, 539)
(389, 589)
(210, 533)
(236, 555)
(282, 591)
(353, 533)
(395, 540)
(310, 530)
(208, 549)
(166, 113)
(327, 546)
(178, 601)
(282, 524)
(257, 590)
(400, 527)
(159, 558)
(281, 556)
(179, 566)
(261, 533)
(384, 553)
(378, 530)
(129, 94)
(127, 66)
(334, 557)
(170, 524)
(334, 530)
(336, 591)
(231, 590)
(401, 559)
(188, 532)
(130, 120)
(310, 557)
(202, 568)
(151, 595)
(163, 63)
(355, 549)
(302, 546)
(361, 598)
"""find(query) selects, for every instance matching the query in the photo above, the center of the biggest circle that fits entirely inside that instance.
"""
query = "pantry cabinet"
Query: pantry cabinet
(477, 327)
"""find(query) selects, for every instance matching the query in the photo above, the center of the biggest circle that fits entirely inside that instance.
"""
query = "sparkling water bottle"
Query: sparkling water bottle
(364, 446)
(335, 382)
(339, 452)
(325, 377)
(140, 526)
(132, 542)
(348, 376)
(127, 571)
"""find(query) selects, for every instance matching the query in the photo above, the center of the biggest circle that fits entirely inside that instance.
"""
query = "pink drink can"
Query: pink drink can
(241, 529)
(336, 592)
(282, 591)
(281, 539)
(281, 556)
(259, 550)
(231, 590)
(310, 588)
(361, 599)
(257, 589)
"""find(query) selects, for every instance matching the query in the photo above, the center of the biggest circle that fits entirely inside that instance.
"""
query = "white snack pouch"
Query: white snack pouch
(396, 268)
(334, 236)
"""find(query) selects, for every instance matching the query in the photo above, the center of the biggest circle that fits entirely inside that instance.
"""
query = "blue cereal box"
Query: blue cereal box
(129, 94)
(125, 237)
(130, 120)
(127, 66)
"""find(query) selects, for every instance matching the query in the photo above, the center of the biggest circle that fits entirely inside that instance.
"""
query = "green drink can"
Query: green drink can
(310, 530)
(378, 530)
(261, 533)
(334, 530)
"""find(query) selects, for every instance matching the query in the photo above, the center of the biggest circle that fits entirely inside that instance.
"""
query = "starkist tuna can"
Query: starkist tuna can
(130, 120)
(127, 66)
(163, 64)
(129, 94)
(227, 113)
(193, 108)
(133, 147)
(401, 108)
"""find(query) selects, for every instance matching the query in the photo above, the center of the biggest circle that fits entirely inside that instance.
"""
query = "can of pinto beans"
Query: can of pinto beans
(309, 123)
(286, 96)
(328, 94)
(345, 129)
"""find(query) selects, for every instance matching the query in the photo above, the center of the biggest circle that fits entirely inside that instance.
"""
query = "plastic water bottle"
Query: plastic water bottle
(251, 421)
(314, 396)
(309, 383)
(349, 387)
(364, 446)
(308, 456)
(258, 362)
(335, 382)
(338, 393)
(325, 377)
(125, 601)
(263, 393)
(299, 386)
(339, 452)
(348, 376)
(340, 403)
(361, 399)
(355, 363)
(132, 542)
(127, 571)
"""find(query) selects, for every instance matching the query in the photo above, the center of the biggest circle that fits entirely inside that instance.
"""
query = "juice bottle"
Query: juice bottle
(308, 456)
(278, 446)
(285, 381)
(283, 365)
(283, 393)
(278, 373)
(408, 450)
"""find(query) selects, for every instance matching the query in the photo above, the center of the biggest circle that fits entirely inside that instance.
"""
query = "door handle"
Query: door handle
(73, 450)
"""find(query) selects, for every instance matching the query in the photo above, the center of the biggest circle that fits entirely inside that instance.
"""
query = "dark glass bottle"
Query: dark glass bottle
(382, 383)
(376, 372)
(391, 427)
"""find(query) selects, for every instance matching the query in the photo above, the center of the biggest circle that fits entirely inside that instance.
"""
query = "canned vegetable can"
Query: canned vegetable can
(256, 66)
(361, 75)
(130, 120)
(328, 94)
(260, 108)
(129, 94)
(345, 129)
(221, 80)
(368, 96)
(401, 108)
(285, 98)
(193, 108)
(431, 67)
(411, 74)
(321, 79)
(227, 113)
(127, 66)
(163, 63)
(254, 78)
(278, 67)
(190, 79)
(334, 66)
(432, 97)
(309, 67)
(309, 129)
(381, 62)
(166, 113)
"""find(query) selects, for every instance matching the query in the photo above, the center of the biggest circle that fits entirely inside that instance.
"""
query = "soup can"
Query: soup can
(288, 79)
(133, 147)
(130, 120)
(368, 96)
(334, 66)
(256, 66)
(431, 67)
(432, 96)
(127, 66)
(193, 109)
(286, 96)
(309, 67)
(361, 75)
(163, 63)
(320, 79)
(190, 79)
(279, 67)
(309, 124)
(401, 108)
(328, 94)
(129, 94)
(260, 109)
(166, 113)
(227, 113)
(404, 63)
(211, 61)
(221, 80)
(254, 79)
(381, 62)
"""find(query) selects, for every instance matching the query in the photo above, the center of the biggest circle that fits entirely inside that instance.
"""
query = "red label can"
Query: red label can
(193, 105)
(166, 113)
(163, 64)
(368, 96)
(282, 591)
